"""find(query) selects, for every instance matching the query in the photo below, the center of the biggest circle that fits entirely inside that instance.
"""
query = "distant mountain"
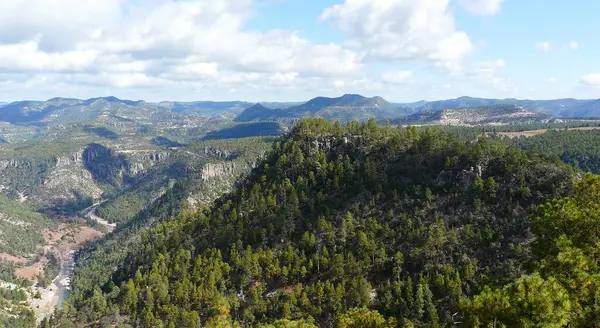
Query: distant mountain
(205, 107)
(259, 112)
(347, 101)
(281, 105)
(413, 105)
(348, 107)
(245, 130)
(559, 107)
(588, 109)
(69, 110)
(65, 110)
(345, 108)
(498, 114)
(24, 111)
(462, 102)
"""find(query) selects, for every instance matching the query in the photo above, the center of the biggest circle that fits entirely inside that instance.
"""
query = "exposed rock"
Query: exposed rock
(211, 171)
(4, 164)
(220, 153)
(71, 159)
(136, 168)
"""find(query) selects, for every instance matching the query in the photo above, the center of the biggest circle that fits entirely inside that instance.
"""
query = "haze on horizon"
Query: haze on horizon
(294, 50)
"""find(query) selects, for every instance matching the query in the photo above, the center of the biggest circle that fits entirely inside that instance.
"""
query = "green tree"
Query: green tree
(363, 318)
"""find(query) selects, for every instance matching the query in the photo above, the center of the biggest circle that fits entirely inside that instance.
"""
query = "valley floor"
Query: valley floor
(55, 293)
(62, 241)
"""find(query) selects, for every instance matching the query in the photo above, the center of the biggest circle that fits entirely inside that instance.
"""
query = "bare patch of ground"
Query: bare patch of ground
(45, 305)
(31, 272)
(532, 133)
(11, 258)
(61, 240)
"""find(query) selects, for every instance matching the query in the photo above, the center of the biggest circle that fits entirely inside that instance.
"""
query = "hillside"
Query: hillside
(98, 261)
(491, 115)
(345, 108)
(20, 228)
(86, 189)
(259, 112)
(411, 224)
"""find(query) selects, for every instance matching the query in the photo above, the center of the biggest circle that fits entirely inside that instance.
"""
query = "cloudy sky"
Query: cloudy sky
(403, 50)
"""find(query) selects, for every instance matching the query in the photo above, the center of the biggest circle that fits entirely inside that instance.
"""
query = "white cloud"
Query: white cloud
(543, 46)
(283, 79)
(401, 29)
(482, 7)
(27, 56)
(552, 80)
(482, 73)
(573, 45)
(398, 77)
(120, 43)
(197, 49)
(591, 79)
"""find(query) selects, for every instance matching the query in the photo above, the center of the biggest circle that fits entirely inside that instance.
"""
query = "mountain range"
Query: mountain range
(348, 107)
(68, 110)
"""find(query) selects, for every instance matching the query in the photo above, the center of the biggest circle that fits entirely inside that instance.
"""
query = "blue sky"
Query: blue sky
(289, 50)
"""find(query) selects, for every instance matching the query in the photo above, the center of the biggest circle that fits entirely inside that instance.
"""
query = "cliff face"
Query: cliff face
(75, 178)
(218, 170)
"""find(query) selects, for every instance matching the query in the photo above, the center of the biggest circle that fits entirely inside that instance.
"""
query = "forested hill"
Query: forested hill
(354, 225)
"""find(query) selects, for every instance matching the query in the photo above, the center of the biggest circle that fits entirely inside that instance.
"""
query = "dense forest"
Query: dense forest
(578, 148)
(364, 226)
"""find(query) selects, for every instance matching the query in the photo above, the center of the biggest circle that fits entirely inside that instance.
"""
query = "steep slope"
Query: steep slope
(405, 222)
(244, 130)
(72, 175)
(259, 112)
(491, 115)
(20, 228)
(98, 262)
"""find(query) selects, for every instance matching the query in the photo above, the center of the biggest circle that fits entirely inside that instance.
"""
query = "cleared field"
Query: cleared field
(533, 133)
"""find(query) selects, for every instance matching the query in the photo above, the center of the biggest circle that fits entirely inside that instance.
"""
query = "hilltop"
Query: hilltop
(345, 108)
(413, 227)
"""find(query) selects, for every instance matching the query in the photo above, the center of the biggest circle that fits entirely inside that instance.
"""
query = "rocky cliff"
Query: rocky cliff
(77, 177)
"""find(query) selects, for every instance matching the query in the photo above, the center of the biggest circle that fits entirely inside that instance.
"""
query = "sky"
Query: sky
(294, 50)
